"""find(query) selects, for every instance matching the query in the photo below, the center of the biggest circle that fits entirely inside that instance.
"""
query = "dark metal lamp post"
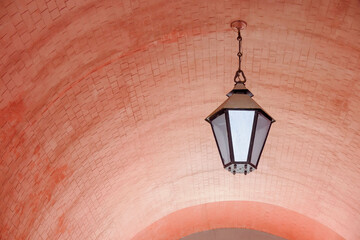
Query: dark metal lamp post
(240, 125)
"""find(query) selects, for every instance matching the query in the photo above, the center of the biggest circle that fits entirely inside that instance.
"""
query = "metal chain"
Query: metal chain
(239, 73)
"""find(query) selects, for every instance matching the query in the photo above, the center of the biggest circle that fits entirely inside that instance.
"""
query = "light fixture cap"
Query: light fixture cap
(238, 25)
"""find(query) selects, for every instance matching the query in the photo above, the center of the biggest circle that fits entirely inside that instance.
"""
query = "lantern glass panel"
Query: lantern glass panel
(262, 129)
(241, 124)
(221, 135)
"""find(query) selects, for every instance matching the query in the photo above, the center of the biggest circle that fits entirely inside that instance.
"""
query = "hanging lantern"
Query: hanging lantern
(240, 125)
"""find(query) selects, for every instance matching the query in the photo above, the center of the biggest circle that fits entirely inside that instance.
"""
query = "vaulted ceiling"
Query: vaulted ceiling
(102, 107)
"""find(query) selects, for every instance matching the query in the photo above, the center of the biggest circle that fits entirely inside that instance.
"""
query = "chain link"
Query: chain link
(239, 73)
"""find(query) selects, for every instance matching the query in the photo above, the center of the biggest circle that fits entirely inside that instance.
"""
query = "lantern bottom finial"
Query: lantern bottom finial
(239, 168)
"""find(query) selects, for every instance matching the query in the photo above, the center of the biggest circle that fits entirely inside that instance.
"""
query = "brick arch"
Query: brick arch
(259, 216)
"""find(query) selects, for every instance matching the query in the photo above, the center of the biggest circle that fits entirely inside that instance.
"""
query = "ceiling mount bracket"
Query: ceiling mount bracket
(238, 25)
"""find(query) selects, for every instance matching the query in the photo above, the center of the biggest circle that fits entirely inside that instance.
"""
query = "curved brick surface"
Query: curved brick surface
(102, 107)
(264, 217)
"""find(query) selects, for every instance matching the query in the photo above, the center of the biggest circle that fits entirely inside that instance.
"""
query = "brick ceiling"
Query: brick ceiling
(102, 107)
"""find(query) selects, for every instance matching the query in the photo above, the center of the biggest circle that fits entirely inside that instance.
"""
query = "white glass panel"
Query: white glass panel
(219, 127)
(241, 124)
(262, 128)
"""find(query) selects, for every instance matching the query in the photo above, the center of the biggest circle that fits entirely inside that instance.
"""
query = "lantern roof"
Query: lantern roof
(239, 98)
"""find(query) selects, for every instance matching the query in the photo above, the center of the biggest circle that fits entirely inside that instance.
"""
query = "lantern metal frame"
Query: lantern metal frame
(240, 98)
